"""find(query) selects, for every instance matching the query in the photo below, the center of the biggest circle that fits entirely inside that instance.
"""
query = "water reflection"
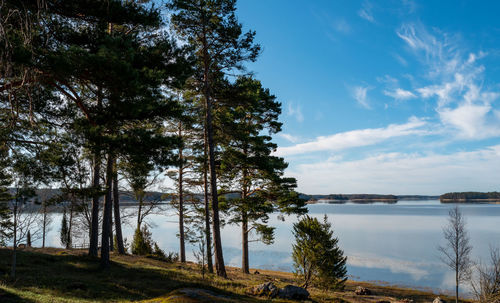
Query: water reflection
(396, 243)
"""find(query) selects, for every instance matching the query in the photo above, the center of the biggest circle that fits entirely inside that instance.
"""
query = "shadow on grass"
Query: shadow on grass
(8, 297)
(73, 277)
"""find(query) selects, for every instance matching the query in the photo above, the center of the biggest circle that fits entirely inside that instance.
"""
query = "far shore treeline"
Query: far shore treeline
(128, 197)
(471, 196)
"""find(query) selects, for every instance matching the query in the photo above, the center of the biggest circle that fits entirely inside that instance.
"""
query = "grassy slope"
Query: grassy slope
(55, 275)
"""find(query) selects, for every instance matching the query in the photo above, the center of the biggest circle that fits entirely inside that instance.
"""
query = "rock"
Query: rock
(266, 289)
(438, 300)
(192, 295)
(256, 272)
(293, 292)
(362, 291)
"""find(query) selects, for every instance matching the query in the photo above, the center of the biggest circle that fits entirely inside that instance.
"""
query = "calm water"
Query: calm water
(395, 243)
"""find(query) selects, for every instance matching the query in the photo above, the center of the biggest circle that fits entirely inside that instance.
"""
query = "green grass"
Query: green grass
(55, 275)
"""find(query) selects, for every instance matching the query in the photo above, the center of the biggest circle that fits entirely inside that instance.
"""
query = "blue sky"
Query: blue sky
(383, 96)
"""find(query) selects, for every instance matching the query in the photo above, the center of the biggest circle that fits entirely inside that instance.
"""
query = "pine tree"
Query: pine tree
(211, 27)
(316, 255)
(113, 65)
(249, 117)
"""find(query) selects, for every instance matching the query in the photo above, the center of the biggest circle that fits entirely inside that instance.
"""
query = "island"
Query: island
(470, 197)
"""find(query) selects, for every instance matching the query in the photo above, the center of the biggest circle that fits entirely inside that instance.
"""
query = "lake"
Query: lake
(394, 243)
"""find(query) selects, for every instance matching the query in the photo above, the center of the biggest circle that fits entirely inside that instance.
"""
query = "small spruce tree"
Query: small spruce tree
(64, 234)
(142, 244)
(316, 255)
(5, 198)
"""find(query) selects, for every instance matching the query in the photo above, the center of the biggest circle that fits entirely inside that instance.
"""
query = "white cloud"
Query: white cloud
(400, 94)
(288, 137)
(295, 111)
(403, 173)
(359, 93)
(470, 120)
(464, 105)
(356, 138)
(366, 12)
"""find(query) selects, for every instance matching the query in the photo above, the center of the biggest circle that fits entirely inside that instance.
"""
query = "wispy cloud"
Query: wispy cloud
(400, 94)
(365, 11)
(356, 138)
(456, 78)
(333, 26)
(359, 93)
(295, 111)
(400, 59)
(341, 26)
(288, 137)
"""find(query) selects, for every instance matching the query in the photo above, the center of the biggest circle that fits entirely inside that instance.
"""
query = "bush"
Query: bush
(157, 251)
(126, 245)
(316, 255)
(160, 255)
(142, 244)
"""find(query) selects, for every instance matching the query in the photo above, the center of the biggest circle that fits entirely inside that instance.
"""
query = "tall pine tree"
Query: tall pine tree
(248, 168)
(212, 28)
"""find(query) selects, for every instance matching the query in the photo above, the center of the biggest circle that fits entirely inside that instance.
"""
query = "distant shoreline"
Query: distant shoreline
(471, 197)
(484, 201)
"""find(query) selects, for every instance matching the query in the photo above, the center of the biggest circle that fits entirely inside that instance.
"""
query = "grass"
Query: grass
(56, 275)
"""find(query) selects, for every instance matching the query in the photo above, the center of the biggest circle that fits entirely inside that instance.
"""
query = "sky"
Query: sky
(388, 97)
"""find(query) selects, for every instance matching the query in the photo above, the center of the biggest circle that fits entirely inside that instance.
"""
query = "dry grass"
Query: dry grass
(56, 275)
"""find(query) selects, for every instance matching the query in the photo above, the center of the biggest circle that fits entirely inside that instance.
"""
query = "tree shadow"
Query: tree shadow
(80, 277)
(9, 297)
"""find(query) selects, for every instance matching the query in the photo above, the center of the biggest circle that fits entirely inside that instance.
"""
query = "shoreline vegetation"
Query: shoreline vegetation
(127, 197)
(62, 275)
(471, 197)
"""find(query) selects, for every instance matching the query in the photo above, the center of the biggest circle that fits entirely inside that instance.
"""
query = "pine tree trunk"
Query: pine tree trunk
(207, 208)
(245, 266)
(94, 228)
(219, 257)
(139, 213)
(116, 208)
(14, 245)
(111, 240)
(181, 203)
(457, 265)
(69, 241)
(44, 226)
(106, 218)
